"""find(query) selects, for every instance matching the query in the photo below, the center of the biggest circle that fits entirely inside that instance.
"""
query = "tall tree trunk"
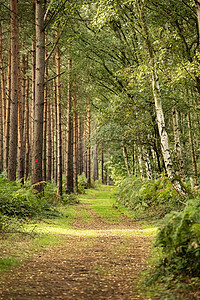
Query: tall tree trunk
(177, 143)
(32, 103)
(8, 106)
(80, 146)
(12, 159)
(52, 140)
(55, 135)
(39, 97)
(140, 164)
(75, 158)
(197, 2)
(191, 141)
(125, 155)
(27, 147)
(49, 128)
(21, 103)
(44, 149)
(96, 163)
(3, 100)
(69, 153)
(102, 166)
(88, 141)
(158, 105)
(147, 164)
(59, 124)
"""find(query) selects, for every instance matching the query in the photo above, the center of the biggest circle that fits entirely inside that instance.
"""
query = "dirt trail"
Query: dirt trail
(103, 266)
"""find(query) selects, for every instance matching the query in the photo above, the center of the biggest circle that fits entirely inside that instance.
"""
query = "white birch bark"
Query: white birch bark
(140, 164)
(177, 143)
(147, 164)
(158, 105)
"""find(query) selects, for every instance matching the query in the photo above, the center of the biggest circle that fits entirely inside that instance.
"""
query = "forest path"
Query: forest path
(100, 258)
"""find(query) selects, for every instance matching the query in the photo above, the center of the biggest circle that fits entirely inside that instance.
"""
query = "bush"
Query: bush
(82, 183)
(179, 239)
(19, 201)
(152, 198)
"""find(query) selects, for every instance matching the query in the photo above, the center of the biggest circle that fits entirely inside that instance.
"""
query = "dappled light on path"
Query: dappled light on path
(97, 259)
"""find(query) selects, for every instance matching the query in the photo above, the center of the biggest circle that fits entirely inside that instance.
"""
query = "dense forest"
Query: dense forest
(108, 91)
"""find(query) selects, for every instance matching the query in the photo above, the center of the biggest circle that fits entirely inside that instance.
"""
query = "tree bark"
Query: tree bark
(125, 155)
(27, 145)
(177, 143)
(21, 104)
(49, 128)
(158, 106)
(147, 164)
(44, 149)
(39, 97)
(8, 106)
(191, 141)
(55, 135)
(88, 144)
(59, 124)
(140, 164)
(102, 166)
(32, 132)
(3, 100)
(96, 163)
(12, 159)
(75, 156)
(69, 153)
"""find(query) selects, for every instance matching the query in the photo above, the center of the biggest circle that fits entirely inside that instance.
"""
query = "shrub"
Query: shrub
(82, 183)
(179, 239)
(19, 201)
(152, 198)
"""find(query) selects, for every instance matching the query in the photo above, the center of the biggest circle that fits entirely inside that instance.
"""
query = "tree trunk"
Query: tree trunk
(49, 128)
(21, 103)
(27, 147)
(8, 107)
(158, 106)
(12, 159)
(102, 166)
(59, 124)
(3, 100)
(69, 153)
(32, 103)
(75, 157)
(39, 97)
(177, 143)
(96, 164)
(88, 142)
(147, 164)
(140, 164)
(191, 141)
(125, 155)
(56, 134)
(44, 149)
(197, 2)
(80, 146)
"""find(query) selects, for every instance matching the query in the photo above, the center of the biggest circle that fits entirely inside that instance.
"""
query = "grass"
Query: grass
(41, 235)
(102, 200)
(7, 262)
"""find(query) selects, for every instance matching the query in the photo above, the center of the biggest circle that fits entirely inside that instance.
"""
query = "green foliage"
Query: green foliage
(179, 239)
(82, 183)
(152, 198)
(8, 262)
(116, 169)
(19, 202)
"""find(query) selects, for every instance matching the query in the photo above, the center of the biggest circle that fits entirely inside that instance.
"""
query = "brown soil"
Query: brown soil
(102, 267)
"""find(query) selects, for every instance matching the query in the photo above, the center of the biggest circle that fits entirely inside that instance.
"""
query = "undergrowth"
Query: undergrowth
(149, 199)
(176, 267)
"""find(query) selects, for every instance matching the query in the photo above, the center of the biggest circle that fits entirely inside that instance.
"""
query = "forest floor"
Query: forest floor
(101, 253)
